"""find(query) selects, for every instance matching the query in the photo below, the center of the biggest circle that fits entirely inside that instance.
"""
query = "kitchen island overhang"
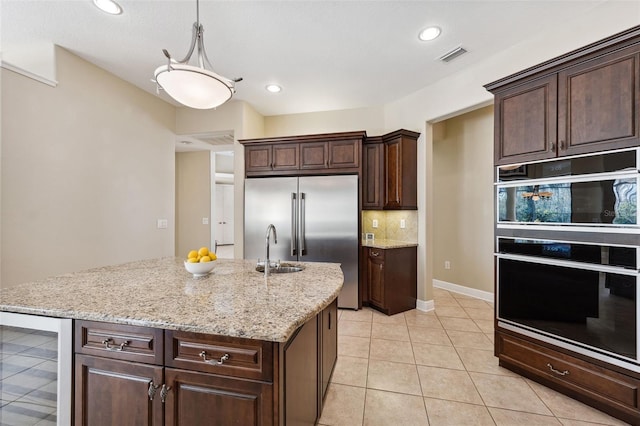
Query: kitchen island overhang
(234, 345)
(234, 300)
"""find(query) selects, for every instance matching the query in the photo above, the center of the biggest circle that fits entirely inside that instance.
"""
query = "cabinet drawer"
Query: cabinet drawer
(252, 359)
(596, 382)
(119, 341)
(375, 253)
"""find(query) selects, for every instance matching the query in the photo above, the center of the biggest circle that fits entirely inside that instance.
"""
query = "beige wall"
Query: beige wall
(87, 169)
(245, 122)
(193, 201)
(463, 200)
(369, 119)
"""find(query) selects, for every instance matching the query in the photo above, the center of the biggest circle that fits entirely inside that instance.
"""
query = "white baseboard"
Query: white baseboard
(471, 292)
(425, 305)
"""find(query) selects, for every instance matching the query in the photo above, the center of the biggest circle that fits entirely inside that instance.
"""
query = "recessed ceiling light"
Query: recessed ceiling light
(108, 6)
(273, 88)
(429, 33)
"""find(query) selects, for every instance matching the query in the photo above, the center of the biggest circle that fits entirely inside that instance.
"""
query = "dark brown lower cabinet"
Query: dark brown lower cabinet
(390, 276)
(301, 376)
(598, 385)
(237, 381)
(113, 392)
(199, 399)
(329, 345)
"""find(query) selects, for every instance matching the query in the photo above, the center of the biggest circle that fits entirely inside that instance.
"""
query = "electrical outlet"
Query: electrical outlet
(205, 220)
(403, 224)
(162, 224)
(375, 223)
(369, 236)
(447, 264)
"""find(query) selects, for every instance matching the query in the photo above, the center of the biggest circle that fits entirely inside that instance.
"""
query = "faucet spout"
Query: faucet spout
(267, 263)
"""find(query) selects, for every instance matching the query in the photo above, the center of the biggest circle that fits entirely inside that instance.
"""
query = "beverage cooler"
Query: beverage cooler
(36, 369)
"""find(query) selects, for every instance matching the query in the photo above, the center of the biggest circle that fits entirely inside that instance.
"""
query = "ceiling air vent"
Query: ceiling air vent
(452, 54)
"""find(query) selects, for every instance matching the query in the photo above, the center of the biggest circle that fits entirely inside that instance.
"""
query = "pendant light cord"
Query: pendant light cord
(198, 12)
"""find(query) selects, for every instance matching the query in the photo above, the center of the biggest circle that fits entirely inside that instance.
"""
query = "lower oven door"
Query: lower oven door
(592, 306)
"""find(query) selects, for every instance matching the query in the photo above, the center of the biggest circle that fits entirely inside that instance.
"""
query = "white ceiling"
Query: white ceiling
(326, 55)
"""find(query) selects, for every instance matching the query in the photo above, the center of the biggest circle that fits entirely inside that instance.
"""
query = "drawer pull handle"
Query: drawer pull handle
(164, 392)
(152, 390)
(107, 344)
(221, 361)
(375, 254)
(558, 372)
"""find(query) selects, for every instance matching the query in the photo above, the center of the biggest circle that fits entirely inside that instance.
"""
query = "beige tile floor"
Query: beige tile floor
(437, 368)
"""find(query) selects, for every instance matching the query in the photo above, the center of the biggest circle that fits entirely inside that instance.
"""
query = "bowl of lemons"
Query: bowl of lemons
(200, 263)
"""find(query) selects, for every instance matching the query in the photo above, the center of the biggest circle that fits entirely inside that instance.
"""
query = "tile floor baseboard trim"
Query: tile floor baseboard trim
(425, 305)
(472, 292)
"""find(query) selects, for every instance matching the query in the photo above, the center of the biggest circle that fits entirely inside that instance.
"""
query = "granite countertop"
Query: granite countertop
(387, 244)
(233, 300)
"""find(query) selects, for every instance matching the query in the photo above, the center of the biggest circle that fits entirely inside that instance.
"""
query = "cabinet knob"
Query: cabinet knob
(553, 146)
(221, 361)
(563, 145)
(152, 390)
(164, 392)
(107, 344)
(558, 372)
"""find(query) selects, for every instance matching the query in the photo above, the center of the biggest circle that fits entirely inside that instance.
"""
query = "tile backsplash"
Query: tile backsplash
(389, 224)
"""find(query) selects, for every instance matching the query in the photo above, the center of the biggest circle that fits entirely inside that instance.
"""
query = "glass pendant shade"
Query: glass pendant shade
(193, 86)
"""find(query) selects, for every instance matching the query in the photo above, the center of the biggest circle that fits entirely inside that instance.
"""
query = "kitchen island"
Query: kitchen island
(155, 345)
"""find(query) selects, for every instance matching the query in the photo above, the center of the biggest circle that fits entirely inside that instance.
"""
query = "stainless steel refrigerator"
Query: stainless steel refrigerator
(316, 219)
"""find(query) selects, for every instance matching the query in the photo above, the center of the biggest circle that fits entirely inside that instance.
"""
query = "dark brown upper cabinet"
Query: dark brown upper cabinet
(330, 153)
(598, 104)
(373, 173)
(583, 102)
(390, 167)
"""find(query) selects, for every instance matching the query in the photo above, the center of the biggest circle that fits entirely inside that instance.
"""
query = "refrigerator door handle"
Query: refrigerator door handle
(294, 223)
(303, 202)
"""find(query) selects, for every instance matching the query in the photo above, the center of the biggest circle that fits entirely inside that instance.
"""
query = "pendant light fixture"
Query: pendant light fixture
(194, 86)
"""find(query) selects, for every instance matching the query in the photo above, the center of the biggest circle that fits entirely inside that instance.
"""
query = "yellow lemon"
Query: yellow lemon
(192, 254)
(213, 256)
(204, 251)
(205, 259)
(192, 260)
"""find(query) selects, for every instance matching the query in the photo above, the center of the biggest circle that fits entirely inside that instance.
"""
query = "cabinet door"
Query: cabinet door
(224, 214)
(372, 172)
(314, 155)
(393, 174)
(258, 158)
(525, 121)
(329, 345)
(375, 273)
(200, 399)
(599, 103)
(285, 156)
(344, 154)
(301, 376)
(111, 392)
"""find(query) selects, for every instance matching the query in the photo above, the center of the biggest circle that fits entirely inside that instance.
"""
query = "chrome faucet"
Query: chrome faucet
(267, 262)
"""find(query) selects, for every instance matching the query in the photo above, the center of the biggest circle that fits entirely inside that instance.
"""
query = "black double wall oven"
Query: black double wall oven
(568, 253)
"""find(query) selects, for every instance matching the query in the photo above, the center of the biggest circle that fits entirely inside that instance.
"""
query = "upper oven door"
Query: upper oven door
(594, 190)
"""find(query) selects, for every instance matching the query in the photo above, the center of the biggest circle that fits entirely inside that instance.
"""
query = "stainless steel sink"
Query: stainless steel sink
(283, 268)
